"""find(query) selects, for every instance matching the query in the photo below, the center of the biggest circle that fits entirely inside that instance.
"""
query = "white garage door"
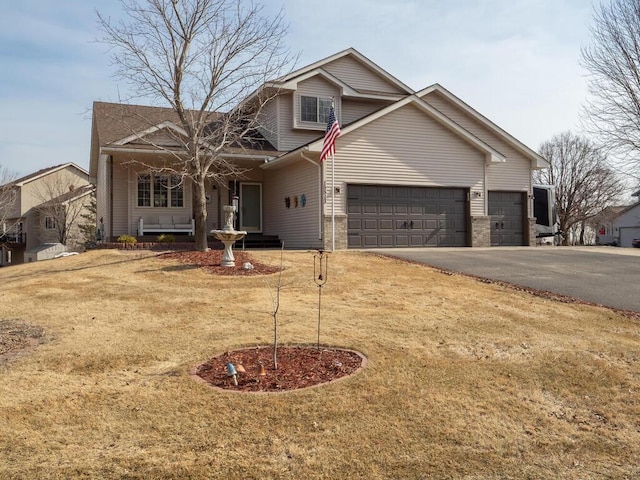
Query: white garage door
(627, 234)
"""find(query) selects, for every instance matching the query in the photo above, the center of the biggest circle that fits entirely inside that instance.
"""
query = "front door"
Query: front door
(251, 207)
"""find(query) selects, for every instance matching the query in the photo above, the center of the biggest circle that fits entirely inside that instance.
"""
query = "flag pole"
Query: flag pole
(329, 147)
(333, 202)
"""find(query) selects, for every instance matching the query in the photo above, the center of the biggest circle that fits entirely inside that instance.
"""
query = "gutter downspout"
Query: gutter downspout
(110, 213)
(486, 190)
(320, 209)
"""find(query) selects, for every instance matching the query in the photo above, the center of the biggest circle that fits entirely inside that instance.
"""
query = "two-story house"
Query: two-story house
(619, 225)
(38, 209)
(411, 168)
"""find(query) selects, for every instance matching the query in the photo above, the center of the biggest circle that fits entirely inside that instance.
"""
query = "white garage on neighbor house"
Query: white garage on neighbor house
(622, 225)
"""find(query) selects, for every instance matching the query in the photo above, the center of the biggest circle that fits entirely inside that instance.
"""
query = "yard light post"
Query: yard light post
(320, 268)
(232, 372)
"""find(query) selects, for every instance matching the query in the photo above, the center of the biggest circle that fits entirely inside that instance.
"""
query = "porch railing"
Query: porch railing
(14, 238)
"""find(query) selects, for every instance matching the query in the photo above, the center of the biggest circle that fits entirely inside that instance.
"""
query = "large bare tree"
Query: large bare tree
(584, 183)
(203, 59)
(613, 62)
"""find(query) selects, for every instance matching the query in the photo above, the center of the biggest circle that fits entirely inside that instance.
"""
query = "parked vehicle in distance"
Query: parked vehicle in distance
(544, 209)
(635, 242)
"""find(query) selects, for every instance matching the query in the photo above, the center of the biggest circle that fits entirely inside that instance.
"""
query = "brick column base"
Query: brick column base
(532, 232)
(480, 231)
(341, 232)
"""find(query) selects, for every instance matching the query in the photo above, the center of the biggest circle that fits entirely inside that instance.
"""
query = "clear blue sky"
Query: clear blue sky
(515, 61)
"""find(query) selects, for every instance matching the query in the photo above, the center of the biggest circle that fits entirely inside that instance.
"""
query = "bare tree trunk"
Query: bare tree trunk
(200, 215)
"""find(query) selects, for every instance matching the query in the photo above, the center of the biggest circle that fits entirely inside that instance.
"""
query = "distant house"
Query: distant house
(40, 209)
(411, 168)
(619, 225)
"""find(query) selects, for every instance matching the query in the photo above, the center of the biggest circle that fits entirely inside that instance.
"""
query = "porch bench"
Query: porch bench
(166, 224)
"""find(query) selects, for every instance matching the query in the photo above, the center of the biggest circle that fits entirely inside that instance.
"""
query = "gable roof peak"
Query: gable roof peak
(19, 182)
(540, 162)
(343, 53)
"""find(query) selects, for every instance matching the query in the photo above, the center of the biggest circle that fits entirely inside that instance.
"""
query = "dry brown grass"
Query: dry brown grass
(465, 379)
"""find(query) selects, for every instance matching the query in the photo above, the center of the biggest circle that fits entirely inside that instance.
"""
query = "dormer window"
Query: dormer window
(314, 109)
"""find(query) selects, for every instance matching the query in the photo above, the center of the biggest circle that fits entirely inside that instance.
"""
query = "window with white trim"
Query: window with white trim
(314, 109)
(160, 191)
(49, 223)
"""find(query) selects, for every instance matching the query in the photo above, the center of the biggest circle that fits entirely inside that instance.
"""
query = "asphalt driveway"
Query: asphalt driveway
(604, 275)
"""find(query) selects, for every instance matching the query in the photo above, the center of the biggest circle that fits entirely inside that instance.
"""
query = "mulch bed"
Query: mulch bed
(298, 367)
(210, 262)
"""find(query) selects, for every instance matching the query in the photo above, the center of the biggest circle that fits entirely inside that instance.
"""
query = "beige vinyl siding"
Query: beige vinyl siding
(297, 227)
(360, 77)
(512, 175)
(103, 183)
(353, 110)
(315, 87)
(40, 190)
(269, 124)
(31, 226)
(290, 139)
(120, 200)
(162, 138)
(32, 195)
(405, 147)
(58, 182)
(15, 208)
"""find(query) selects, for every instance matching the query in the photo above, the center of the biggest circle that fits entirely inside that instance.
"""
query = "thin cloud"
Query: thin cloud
(516, 61)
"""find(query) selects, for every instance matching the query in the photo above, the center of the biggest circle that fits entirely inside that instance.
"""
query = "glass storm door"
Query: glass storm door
(251, 207)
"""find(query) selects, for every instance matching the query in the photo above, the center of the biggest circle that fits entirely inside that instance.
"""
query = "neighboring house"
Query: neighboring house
(411, 168)
(41, 203)
(619, 225)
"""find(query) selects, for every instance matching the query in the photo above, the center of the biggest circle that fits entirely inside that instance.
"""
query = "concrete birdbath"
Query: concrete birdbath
(228, 236)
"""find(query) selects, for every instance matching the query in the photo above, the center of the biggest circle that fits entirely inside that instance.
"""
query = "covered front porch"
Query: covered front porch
(147, 202)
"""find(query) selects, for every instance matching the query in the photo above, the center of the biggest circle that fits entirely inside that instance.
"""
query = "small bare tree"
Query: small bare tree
(275, 303)
(61, 207)
(8, 199)
(204, 59)
(613, 61)
(584, 184)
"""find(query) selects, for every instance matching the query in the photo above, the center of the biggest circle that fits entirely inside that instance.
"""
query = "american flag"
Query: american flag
(330, 137)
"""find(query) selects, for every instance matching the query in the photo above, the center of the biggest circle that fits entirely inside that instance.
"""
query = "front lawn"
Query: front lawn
(464, 379)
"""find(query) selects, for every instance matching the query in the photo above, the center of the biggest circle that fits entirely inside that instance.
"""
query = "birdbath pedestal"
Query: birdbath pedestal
(228, 236)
